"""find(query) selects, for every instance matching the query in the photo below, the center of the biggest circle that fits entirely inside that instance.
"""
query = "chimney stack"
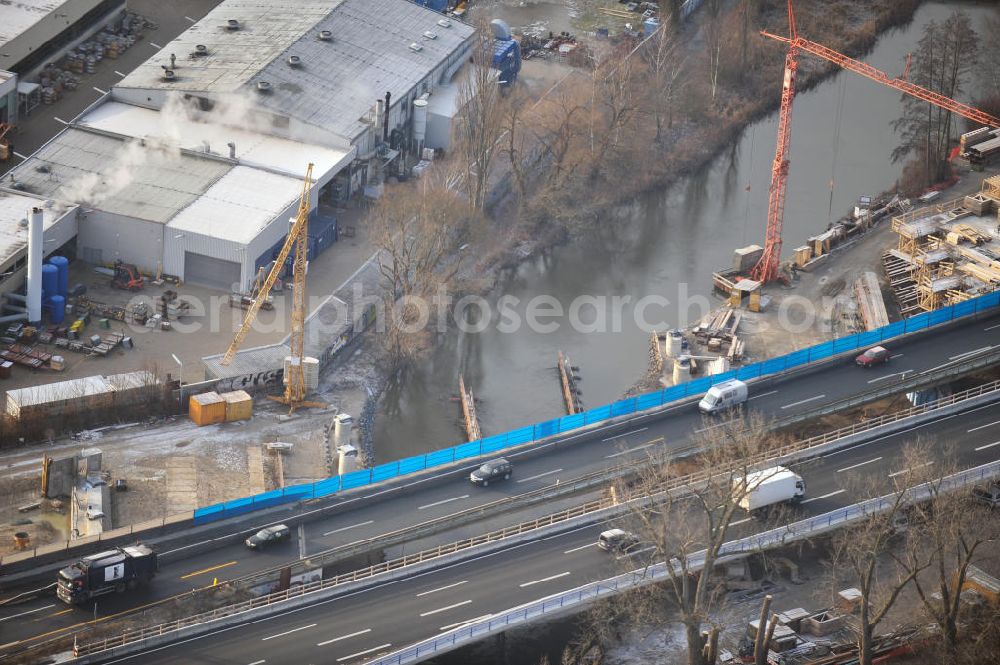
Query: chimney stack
(385, 121)
(35, 246)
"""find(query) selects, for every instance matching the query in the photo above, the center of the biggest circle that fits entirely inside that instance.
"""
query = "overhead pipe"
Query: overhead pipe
(13, 317)
(15, 296)
(34, 288)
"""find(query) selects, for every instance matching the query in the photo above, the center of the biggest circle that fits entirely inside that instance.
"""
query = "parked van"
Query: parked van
(723, 396)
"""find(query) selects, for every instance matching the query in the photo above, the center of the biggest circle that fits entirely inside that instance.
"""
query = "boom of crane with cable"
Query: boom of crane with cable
(295, 387)
(766, 269)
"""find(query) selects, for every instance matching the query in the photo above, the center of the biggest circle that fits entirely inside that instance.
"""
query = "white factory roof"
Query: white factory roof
(144, 180)
(176, 125)
(234, 56)
(376, 46)
(239, 206)
(19, 16)
(59, 391)
(15, 208)
(247, 362)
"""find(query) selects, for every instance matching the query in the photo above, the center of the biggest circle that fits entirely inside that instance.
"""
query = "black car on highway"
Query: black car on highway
(269, 536)
(498, 469)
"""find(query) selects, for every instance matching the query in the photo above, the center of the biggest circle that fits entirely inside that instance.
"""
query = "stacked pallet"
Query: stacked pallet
(870, 302)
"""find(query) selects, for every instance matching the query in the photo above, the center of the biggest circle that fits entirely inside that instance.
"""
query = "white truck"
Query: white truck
(767, 487)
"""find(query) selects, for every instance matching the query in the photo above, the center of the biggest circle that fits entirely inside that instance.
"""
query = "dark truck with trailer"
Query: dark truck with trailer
(114, 570)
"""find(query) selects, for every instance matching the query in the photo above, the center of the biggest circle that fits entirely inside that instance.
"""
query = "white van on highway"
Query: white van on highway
(722, 396)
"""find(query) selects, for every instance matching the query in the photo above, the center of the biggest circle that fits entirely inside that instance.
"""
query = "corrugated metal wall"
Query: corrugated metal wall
(104, 237)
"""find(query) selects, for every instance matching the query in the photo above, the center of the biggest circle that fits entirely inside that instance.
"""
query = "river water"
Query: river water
(665, 244)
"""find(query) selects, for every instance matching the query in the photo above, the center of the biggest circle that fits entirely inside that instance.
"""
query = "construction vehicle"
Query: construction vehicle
(106, 572)
(294, 380)
(127, 277)
(767, 268)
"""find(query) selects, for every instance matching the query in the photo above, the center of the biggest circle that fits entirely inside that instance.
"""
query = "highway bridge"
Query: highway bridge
(448, 492)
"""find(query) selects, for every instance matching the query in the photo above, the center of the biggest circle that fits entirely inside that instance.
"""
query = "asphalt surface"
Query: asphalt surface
(351, 628)
(445, 496)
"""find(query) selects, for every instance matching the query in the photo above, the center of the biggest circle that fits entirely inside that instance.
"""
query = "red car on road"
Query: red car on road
(876, 355)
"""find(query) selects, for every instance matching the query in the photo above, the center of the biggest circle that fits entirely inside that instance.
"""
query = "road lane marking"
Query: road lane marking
(444, 501)
(188, 18)
(208, 570)
(353, 526)
(988, 445)
(287, 632)
(889, 376)
(805, 401)
(974, 429)
(544, 579)
(119, 73)
(462, 623)
(581, 547)
(39, 609)
(722, 424)
(970, 353)
(450, 586)
(540, 475)
(344, 637)
(103, 92)
(445, 609)
(631, 450)
(919, 466)
(895, 355)
(854, 466)
(761, 395)
(992, 327)
(55, 614)
(362, 653)
(825, 496)
(742, 521)
(257, 662)
(618, 436)
(302, 540)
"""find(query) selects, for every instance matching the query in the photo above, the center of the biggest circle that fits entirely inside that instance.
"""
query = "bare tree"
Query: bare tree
(417, 227)
(867, 555)
(713, 42)
(481, 118)
(688, 527)
(666, 65)
(949, 532)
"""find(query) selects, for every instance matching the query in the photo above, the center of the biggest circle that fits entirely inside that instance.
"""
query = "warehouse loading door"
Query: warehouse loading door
(207, 271)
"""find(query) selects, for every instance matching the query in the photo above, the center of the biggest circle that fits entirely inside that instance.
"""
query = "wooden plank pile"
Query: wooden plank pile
(870, 302)
(718, 329)
(26, 355)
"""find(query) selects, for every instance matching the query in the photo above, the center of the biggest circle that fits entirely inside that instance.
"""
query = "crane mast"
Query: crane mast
(295, 388)
(767, 268)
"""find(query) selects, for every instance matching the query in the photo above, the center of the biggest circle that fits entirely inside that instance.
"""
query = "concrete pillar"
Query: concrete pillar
(347, 459)
(343, 426)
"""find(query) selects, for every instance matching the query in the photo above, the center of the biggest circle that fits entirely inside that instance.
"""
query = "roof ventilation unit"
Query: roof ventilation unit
(325, 35)
(232, 24)
(200, 49)
(430, 35)
(263, 86)
(294, 61)
(169, 75)
(416, 48)
(444, 23)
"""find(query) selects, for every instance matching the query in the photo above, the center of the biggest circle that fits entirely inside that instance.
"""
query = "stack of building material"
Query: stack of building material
(207, 409)
(870, 302)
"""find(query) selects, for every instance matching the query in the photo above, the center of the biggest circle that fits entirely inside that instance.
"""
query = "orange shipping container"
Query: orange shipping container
(239, 405)
(207, 409)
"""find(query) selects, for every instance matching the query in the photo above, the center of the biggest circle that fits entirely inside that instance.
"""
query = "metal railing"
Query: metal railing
(607, 505)
(580, 597)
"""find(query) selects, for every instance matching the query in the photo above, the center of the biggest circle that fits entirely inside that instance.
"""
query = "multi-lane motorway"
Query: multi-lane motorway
(350, 628)
(447, 495)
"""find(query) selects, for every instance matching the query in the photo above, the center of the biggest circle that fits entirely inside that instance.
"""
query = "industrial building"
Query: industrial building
(193, 165)
(34, 32)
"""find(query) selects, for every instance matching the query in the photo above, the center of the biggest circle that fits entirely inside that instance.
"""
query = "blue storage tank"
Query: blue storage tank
(507, 59)
(62, 263)
(50, 280)
(58, 309)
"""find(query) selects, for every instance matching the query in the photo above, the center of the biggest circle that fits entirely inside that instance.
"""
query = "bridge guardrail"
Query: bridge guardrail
(531, 433)
(586, 594)
(607, 505)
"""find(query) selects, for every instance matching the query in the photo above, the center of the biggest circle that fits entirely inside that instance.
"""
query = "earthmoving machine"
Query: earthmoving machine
(295, 385)
(127, 277)
(767, 268)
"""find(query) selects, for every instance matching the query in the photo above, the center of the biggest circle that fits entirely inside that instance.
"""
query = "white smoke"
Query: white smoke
(130, 160)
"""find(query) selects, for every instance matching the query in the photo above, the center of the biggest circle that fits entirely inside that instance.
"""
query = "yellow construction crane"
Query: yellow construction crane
(295, 384)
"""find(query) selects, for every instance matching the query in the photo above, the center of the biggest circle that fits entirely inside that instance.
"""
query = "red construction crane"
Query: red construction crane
(766, 269)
